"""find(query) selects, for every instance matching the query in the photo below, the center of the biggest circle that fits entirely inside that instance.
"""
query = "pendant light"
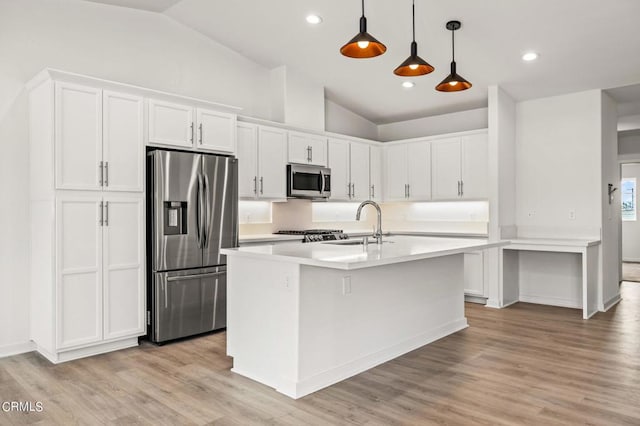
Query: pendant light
(453, 82)
(414, 65)
(363, 45)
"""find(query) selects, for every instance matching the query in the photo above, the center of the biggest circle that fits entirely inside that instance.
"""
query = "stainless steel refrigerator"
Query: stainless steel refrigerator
(192, 208)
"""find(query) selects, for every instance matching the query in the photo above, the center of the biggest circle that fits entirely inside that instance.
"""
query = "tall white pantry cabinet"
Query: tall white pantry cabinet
(87, 219)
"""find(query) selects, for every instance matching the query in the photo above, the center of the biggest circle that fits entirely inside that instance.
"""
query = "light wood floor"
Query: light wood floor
(527, 364)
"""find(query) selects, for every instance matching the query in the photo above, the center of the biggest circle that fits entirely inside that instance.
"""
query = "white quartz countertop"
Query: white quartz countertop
(395, 249)
(259, 238)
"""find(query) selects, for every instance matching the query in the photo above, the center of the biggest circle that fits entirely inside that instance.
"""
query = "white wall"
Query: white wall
(296, 100)
(610, 249)
(631, 229)
(629, 144)
(114, 43)
(339, 119)
(435, 125)
(558, 149)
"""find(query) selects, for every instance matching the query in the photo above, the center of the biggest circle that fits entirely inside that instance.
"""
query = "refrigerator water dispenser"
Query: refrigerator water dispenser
(175, 214)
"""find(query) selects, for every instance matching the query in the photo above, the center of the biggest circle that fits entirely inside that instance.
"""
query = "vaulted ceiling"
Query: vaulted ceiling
(583, 44)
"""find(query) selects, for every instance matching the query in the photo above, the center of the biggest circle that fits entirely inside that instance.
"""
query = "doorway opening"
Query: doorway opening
(629, 180)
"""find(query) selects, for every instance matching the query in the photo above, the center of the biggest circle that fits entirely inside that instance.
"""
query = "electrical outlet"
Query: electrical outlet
(531, 214)
(572, 215)
(346, 285)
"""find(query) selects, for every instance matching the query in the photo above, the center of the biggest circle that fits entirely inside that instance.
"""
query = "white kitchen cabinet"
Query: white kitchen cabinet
(474, 274)
(78, 303)
(359, 166)
(185, 126)
(123, 289)
(171, 124)
(349, 164)
(87, 237)
(305, 148)
(475, 166)
(272, 163)
(100, 291)
(338, 153)
(408, 172)
(262, 162)
(98, 139)
(375, 173)
(460, 167)
(216, 130)
(122, 137)
(78, 136)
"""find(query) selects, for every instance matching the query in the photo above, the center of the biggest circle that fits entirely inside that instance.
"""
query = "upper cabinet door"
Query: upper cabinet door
(445, 167)
(359, 171)
(475, 166)
(305, 148)
(339, 164)
(171, 124)
(123, 146)
(78, 270)
(395, 172)
(419, 165)
(124, 278)
(375, 173)
(247, 138)
(272, 163)
(216, 131)
(78, 137)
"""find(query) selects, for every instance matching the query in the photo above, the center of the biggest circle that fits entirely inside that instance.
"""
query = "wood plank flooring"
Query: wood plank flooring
(524, 365)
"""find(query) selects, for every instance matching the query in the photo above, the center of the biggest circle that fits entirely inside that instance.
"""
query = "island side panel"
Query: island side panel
(387, 311)
(262, 320)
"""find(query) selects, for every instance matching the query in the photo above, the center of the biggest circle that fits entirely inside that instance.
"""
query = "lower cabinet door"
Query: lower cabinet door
(124, 277)
(189, 302)
(79, 271)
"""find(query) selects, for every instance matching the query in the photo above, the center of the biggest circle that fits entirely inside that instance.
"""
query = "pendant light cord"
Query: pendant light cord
(414, 19)
(363, 8)
(453, 45)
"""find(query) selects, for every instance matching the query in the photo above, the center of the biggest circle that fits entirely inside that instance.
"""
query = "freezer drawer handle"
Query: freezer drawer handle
(190, 277)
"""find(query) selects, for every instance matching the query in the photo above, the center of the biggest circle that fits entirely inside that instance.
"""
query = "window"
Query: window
(628, 198)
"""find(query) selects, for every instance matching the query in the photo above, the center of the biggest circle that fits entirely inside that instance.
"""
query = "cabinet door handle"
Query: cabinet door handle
(373, 191)
(349, 190)
(101, 221)
(192, 132)
(458, 188)
(101, 173)
(261, 185)
(106, 173)
(353, 190)
(310, 154)
(106, 213)
(200, 127)
(255, 184)
(461, 188)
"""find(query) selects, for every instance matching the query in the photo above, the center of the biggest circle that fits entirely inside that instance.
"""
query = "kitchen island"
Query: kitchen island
(301, 317)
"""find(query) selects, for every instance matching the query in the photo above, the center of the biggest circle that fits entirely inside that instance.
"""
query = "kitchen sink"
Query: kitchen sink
(354, 242)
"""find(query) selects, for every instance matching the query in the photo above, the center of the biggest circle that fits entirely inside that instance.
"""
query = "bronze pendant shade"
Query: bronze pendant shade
(453, 82)
(363, 45)
(414, 65)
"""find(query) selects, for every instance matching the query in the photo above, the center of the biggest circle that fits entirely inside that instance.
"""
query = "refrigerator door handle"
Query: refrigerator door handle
(198, 208)
(206, 213)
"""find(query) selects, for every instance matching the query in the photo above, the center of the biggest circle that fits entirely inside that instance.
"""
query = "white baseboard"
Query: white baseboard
(475, 299)
(563, 303)
(611, 302)
(507, 304)
(16, 349)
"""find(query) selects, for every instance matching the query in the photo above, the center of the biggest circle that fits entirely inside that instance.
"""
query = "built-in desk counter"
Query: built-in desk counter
(588, 272)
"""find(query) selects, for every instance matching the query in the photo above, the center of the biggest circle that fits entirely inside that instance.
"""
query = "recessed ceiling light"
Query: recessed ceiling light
(530, 56)
(314, 19)
(408, 84)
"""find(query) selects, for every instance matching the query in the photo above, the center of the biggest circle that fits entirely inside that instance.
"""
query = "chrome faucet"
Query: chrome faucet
(378, 233)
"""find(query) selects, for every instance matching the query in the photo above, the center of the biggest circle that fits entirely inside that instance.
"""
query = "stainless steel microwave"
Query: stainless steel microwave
(304, 181)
